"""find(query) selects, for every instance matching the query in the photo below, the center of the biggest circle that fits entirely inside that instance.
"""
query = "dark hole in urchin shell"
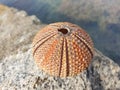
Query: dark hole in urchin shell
(63, 30)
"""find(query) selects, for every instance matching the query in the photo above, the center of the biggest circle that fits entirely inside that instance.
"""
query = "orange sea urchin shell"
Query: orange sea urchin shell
(62, 49)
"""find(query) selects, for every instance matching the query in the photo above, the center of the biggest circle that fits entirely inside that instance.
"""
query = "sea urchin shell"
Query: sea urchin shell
(62, 49)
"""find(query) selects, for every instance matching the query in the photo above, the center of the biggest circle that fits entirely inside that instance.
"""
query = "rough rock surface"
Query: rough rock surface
(18, 70)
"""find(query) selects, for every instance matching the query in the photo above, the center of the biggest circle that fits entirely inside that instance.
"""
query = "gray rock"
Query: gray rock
(18, 70)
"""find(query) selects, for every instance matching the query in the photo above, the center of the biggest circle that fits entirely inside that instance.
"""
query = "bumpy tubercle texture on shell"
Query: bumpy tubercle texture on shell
(62, 49)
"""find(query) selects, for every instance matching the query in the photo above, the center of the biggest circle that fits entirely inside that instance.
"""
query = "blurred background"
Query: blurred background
(100, 18)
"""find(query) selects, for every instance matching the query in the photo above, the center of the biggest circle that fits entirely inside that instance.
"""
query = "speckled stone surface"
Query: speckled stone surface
(18, 70)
